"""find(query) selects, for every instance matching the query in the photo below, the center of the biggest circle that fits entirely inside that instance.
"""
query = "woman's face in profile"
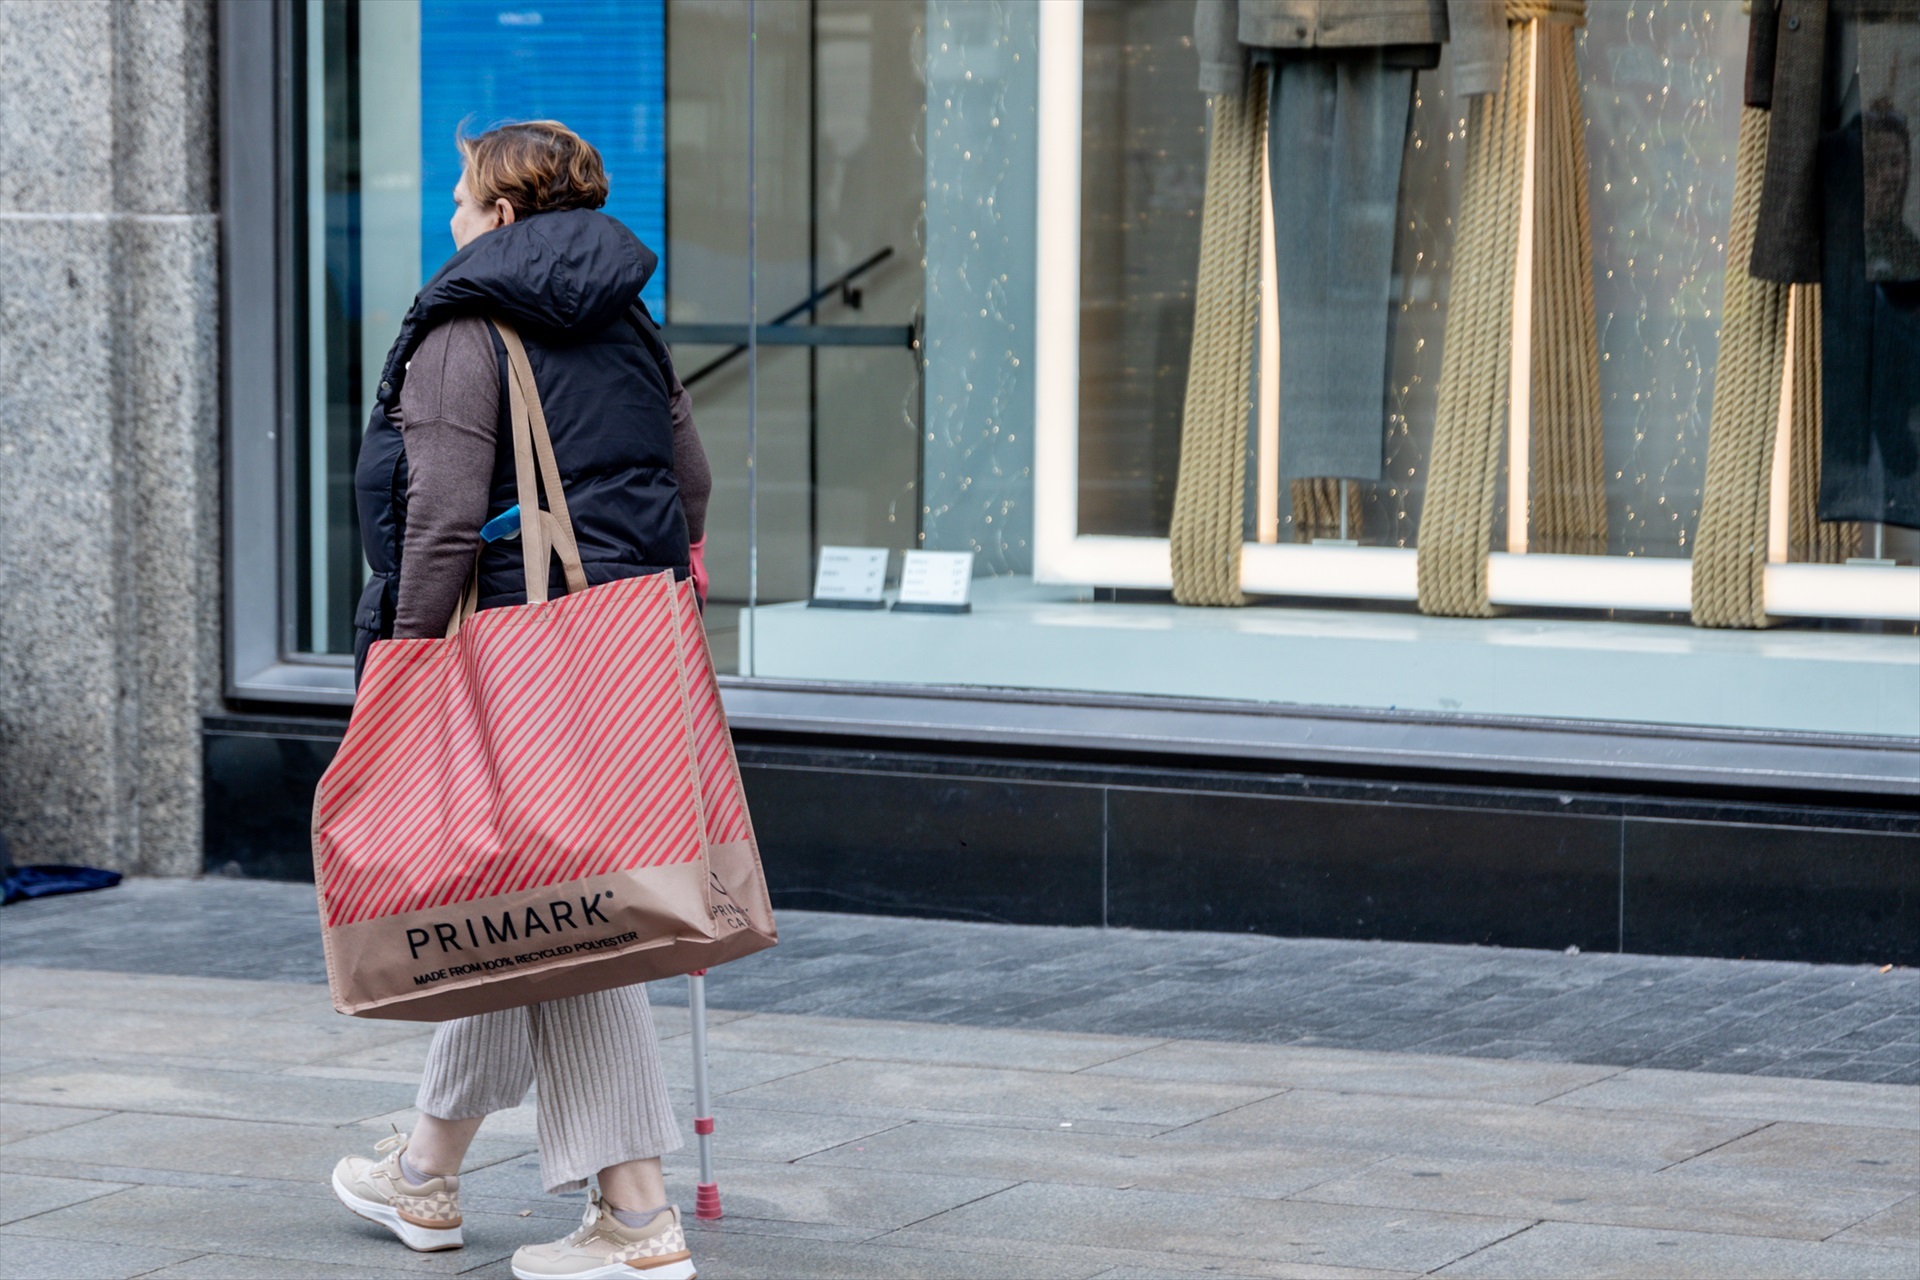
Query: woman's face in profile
(472, 220)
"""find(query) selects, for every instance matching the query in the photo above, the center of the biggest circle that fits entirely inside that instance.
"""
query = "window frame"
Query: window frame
(260, 257)
(261, 355)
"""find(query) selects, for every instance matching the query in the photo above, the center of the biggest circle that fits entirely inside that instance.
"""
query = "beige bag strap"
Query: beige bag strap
(469, 597)
(543, 532)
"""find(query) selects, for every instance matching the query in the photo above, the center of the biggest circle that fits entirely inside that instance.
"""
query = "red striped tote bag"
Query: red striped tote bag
(529, 807)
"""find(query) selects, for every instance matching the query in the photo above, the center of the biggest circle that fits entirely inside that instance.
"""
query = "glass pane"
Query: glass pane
(708, 225)
(864, 109)
(388, 85)
(1143, 154)
(329, 569)
(838, 277)
(1661, 134)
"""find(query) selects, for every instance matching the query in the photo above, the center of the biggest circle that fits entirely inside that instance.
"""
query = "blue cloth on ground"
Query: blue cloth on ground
(45, 882)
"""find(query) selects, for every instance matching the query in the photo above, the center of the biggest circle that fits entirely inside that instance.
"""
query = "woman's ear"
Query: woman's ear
(503, 210)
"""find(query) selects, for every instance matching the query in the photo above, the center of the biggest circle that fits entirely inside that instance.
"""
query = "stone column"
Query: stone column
(109, 429)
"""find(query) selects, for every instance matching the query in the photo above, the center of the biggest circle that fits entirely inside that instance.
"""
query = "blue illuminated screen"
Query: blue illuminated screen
(598, 66)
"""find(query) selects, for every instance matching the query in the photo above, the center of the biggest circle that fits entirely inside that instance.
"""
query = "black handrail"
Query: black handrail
(888, 335)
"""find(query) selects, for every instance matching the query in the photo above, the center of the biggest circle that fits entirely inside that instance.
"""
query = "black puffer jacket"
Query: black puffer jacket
(569, 282)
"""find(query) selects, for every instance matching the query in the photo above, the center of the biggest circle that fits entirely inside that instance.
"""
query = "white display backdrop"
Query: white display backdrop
(1514, 577)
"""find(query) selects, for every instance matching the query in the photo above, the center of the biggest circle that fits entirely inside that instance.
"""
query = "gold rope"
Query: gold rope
(1730, 544)
(1209, 497)
(1809, 538)
(1470, 422)
(1567, 468)
(1316, 508)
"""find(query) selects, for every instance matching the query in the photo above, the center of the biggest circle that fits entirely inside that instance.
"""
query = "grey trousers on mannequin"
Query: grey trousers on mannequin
(603, 1099)
(1337, 126)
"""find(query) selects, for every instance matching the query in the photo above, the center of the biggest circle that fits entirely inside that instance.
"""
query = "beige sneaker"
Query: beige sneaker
(425, 1215)
(601, 1249)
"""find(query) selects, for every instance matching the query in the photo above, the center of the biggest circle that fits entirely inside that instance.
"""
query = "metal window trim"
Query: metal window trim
(1746, 759)
(252, 215)
(257, 111)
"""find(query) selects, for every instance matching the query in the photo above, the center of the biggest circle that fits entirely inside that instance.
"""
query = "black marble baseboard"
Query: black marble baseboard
(846, 827)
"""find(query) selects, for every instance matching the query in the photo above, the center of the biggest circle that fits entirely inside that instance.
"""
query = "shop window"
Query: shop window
(932, 271)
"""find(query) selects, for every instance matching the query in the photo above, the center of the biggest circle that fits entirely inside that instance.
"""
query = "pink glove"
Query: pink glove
(697, 555)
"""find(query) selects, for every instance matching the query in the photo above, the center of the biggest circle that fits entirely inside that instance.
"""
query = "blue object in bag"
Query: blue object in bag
(504, 525)
(45, 882)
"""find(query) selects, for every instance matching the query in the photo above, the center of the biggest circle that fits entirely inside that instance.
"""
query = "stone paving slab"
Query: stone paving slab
(408, 1056)
(23, 1119)
(1746, 1017)
(774, 1258)
(230, 1266)
(25, 1196)
(25, 987)
(243, 1148)
(312, 1228)
(33, 1258)
(1824, 1152)
(234, 1095)
(11, 1063)
(76, 1033)
(913, 1089)
(1265, 1171)
(1013, 1253)
(1280, 1231)
(1480, 1130)
(1350, 1071)
(732, 1070)
(1677, 1198)
(1898, 1227)
(953, 1046)
(873, 1200)
(1628, 1253)
(856, 1147)
(1759, 1098)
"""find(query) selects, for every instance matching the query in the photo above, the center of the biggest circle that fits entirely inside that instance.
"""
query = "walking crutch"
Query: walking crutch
(706, 1194)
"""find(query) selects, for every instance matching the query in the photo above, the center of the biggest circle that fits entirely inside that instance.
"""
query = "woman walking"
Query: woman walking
(436, 465)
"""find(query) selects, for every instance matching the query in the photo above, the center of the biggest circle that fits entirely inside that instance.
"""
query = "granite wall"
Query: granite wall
(109, 429)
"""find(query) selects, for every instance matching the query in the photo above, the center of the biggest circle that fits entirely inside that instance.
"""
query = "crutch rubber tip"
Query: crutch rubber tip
(703, 1124)
(706, 1201)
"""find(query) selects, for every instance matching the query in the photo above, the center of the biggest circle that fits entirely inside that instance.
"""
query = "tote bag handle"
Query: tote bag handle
(544, 532)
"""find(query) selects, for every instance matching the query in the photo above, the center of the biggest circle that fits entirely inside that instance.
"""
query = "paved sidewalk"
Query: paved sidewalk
(167, 1126)
(1750, 1017)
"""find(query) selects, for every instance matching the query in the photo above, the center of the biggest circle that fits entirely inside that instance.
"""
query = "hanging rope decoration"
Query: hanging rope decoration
(1568, 468)
(1209, 501)
(1809, 538)
(1316, 508)
(1470, 422)
(1730, 543)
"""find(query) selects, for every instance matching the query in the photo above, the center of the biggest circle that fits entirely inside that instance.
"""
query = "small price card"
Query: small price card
(936, 582)
(850, 578)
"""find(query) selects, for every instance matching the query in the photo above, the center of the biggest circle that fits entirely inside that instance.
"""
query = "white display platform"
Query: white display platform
(1027, 637)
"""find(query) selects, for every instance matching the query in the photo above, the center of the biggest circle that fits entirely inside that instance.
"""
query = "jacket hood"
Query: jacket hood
(554, 274)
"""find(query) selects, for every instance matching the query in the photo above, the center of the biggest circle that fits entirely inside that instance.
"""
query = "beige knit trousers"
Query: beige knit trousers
(602, 1097)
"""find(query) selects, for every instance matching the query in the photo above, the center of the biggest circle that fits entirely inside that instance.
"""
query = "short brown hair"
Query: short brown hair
(536, 165)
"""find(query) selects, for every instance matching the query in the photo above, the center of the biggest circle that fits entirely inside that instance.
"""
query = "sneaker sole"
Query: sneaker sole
(682, 1270)
(419, 1239)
